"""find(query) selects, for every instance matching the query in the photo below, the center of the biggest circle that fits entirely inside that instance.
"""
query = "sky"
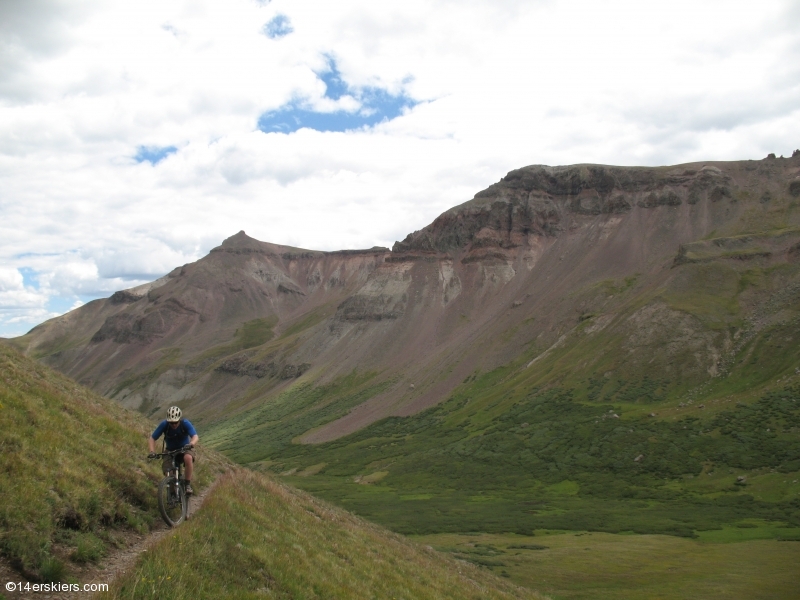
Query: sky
(136, 136)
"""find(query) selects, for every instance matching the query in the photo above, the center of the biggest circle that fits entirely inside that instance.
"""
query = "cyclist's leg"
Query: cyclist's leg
(188, 462)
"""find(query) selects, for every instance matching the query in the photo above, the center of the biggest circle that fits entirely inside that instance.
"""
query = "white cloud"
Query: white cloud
(18, 302)
(10, 279)
(21, 299)
(84, 86)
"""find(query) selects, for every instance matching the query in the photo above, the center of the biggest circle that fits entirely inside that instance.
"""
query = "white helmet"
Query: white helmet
(174, 414)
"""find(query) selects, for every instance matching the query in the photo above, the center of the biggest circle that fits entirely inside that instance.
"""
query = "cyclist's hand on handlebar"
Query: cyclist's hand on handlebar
(188, 447)
(152, 455)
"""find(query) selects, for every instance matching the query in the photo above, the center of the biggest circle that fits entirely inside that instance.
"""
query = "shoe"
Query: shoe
(189, 490)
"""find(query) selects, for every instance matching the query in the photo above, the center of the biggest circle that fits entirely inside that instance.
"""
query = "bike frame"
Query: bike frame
(177, 468)
(172, 490)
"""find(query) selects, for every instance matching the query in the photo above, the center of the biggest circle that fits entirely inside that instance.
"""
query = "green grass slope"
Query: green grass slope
(256, 538)
(73, 478)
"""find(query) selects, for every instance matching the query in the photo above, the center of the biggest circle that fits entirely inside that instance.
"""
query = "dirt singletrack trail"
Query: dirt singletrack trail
(113, 565)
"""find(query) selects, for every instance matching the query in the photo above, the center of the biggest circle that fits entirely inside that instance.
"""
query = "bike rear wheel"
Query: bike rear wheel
(172, 501)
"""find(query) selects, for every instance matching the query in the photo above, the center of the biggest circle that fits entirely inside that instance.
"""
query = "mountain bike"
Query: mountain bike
(173, 502)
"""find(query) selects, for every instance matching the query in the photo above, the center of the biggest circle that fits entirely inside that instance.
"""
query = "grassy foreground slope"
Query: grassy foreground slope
(73, 478)
(256, 538)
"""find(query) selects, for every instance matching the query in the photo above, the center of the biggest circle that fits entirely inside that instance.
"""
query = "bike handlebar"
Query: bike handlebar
(155, 455)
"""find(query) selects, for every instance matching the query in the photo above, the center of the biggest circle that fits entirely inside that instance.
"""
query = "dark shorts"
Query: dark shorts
(166, 465)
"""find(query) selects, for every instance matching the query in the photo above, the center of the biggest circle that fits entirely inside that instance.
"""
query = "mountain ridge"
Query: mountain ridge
(522, 255)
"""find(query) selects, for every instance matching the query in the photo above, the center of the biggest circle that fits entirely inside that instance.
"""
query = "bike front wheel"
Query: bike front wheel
(172, 501)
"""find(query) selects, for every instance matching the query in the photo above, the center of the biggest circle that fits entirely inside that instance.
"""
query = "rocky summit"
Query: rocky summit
(664, 272)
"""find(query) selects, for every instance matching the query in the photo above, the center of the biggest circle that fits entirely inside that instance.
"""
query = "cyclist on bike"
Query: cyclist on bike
(178, 433)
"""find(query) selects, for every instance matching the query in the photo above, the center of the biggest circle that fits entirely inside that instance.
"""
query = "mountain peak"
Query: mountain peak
(240, 240)
(243, 243)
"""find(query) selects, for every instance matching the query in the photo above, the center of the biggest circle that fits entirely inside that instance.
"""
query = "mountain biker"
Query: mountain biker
(178, 433)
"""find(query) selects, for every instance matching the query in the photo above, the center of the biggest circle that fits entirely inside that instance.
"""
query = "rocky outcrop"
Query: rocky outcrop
(539, 200)
(370, 308)
(243, 367)
(498, 221)
(665, 198)
(126, 328)
(742, 247)
(118, 328)
(124, 297)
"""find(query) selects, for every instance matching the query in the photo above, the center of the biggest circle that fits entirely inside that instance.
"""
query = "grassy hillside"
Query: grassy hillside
(256, 538)
(73, 475)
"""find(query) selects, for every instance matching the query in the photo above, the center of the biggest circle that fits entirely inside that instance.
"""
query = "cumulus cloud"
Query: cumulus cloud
(136, 136)
(10, 279)
(18, 302)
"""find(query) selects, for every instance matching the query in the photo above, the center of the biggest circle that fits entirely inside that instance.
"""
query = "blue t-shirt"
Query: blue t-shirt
(175, 438)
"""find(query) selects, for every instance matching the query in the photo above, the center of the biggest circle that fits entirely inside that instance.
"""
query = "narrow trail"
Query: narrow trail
(112, 566)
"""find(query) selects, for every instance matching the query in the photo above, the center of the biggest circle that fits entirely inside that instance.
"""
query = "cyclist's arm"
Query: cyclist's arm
(151, 440)
(193, 437)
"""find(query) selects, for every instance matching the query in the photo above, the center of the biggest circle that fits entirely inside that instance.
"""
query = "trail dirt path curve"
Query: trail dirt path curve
(113, 565)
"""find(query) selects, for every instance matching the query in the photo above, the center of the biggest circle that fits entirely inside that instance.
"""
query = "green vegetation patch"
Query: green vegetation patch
(167, 360)
(256, 538)
(504, 462)
(250, 334)
(256, 434)
(601, 566)
(707, 291)
(307, 321)
(615, 286)
(254, 333)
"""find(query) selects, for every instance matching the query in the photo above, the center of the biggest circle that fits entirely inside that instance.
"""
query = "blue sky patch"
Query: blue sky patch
(335, 87)
(153, 154)
(377, 105)
(280, 26)
(30, 278)
(62, 304)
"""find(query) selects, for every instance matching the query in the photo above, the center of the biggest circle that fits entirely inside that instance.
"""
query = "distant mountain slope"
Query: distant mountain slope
(667, 271)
